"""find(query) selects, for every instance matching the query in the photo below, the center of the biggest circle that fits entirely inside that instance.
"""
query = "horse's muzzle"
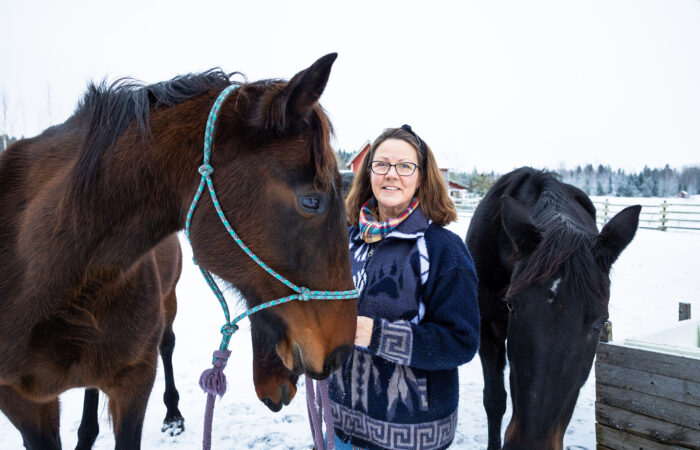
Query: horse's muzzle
(334, 361)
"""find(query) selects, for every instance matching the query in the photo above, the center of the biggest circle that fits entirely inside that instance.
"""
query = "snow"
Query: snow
(654, 273)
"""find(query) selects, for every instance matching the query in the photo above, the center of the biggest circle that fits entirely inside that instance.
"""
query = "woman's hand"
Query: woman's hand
(363, 335)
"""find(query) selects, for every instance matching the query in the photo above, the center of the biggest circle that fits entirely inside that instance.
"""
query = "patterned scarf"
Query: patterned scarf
(373, 230)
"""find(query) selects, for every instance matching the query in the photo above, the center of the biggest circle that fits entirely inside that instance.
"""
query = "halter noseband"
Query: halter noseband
(212, 380)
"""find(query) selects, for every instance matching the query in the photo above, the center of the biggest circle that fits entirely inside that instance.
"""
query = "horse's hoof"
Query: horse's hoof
(173, 426)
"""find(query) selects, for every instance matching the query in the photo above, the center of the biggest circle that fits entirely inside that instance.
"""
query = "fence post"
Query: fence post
(605, 211)
(606, 332)
(663, 216)
(683, 311)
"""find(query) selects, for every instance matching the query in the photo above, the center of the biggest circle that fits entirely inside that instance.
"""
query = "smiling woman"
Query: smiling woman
(417, 313)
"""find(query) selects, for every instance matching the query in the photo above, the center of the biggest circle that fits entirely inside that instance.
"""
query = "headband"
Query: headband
(421, 144)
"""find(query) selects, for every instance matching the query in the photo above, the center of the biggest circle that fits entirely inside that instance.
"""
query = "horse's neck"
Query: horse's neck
(137, 202)
(146, 189)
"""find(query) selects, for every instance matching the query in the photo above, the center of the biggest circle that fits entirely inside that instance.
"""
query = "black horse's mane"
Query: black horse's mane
(108, 110)
(565, 249)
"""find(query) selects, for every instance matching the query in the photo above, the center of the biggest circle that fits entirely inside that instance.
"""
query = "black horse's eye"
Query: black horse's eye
(511, 305)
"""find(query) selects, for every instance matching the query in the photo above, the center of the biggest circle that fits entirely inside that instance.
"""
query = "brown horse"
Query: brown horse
(89, 253)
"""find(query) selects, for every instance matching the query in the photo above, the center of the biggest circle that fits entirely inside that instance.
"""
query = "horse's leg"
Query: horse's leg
(174, 423)
(89, 428)
(492, 352)
(37, 422)
(128, 398)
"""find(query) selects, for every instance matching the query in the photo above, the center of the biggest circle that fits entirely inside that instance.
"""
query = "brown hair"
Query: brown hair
(432, 194)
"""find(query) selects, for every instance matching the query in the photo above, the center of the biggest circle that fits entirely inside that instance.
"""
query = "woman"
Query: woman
(418, 318)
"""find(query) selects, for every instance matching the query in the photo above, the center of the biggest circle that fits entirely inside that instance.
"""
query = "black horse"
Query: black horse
(544, 287)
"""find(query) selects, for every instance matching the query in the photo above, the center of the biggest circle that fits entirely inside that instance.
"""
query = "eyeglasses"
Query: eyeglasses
(404, 169)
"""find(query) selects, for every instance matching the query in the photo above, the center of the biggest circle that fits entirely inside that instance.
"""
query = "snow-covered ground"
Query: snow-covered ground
(655, 272)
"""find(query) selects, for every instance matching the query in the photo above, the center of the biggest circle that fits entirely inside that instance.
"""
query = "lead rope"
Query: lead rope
(213, 380)
(317, 405)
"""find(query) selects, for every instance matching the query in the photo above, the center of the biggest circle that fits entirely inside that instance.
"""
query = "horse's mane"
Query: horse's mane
(108, 110)
(566, 240)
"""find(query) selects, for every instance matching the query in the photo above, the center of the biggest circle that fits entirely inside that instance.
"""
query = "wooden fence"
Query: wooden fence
(663, 215)
(649, 398)
(656, 214)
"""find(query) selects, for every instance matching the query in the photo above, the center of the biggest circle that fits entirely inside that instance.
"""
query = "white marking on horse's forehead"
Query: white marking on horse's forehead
(555, 284)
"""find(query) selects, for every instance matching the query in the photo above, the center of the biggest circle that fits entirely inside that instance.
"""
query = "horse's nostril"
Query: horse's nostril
(285, 398)
(336, 359)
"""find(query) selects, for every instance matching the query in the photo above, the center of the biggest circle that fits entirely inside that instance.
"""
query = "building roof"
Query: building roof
(359, 153)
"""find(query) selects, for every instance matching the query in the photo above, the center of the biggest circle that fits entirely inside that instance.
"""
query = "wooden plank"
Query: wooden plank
(611, 438)
(658, 430)
(649, 383)
(649, 405)
(683, 310)
(675, 366)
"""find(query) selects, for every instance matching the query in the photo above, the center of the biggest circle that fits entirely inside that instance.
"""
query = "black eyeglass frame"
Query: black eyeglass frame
(371, 168)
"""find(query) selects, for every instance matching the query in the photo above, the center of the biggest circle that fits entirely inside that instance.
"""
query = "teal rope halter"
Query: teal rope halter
(213, 381)
(302, 293)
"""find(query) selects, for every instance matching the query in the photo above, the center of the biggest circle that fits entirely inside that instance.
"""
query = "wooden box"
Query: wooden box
(648, 391)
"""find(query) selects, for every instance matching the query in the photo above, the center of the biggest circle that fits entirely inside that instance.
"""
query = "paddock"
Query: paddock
(653, 274)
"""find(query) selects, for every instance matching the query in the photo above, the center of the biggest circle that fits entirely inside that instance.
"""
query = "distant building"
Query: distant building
(356, 159)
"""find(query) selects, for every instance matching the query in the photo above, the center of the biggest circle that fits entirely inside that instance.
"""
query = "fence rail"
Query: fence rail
(655, 215)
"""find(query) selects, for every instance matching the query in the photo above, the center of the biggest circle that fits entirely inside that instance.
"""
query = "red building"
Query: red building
(357, 158)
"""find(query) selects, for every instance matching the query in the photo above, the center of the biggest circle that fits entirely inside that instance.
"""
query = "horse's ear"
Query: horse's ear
(293, 105)
(615, 236)
(522, 232)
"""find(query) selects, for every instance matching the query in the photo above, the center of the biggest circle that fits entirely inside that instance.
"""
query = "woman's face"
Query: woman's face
(392, 191)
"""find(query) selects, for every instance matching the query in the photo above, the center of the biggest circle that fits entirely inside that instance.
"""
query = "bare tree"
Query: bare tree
(49, 106)
(4, 129)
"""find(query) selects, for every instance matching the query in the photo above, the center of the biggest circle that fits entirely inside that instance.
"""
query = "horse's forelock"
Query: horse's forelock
(322, 153)
(268, 114)
(565, 249)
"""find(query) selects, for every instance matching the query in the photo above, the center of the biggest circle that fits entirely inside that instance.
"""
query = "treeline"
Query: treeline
(666, 182)
(605, 181)
(5, 141)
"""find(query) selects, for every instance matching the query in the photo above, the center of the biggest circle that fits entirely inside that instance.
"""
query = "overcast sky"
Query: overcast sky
(491, 85)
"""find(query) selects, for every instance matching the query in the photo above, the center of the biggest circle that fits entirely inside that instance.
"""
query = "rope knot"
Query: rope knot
(213, 381)
(228, 329)
(205, 170)
(305, 294)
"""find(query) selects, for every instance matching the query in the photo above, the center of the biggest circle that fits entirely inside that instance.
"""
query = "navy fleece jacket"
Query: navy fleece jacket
(419, 286)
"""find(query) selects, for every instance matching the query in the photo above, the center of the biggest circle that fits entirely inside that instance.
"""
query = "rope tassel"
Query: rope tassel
(213, 382)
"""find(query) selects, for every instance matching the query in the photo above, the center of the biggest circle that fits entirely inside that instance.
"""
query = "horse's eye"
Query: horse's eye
(311, 203)
(511, 305)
